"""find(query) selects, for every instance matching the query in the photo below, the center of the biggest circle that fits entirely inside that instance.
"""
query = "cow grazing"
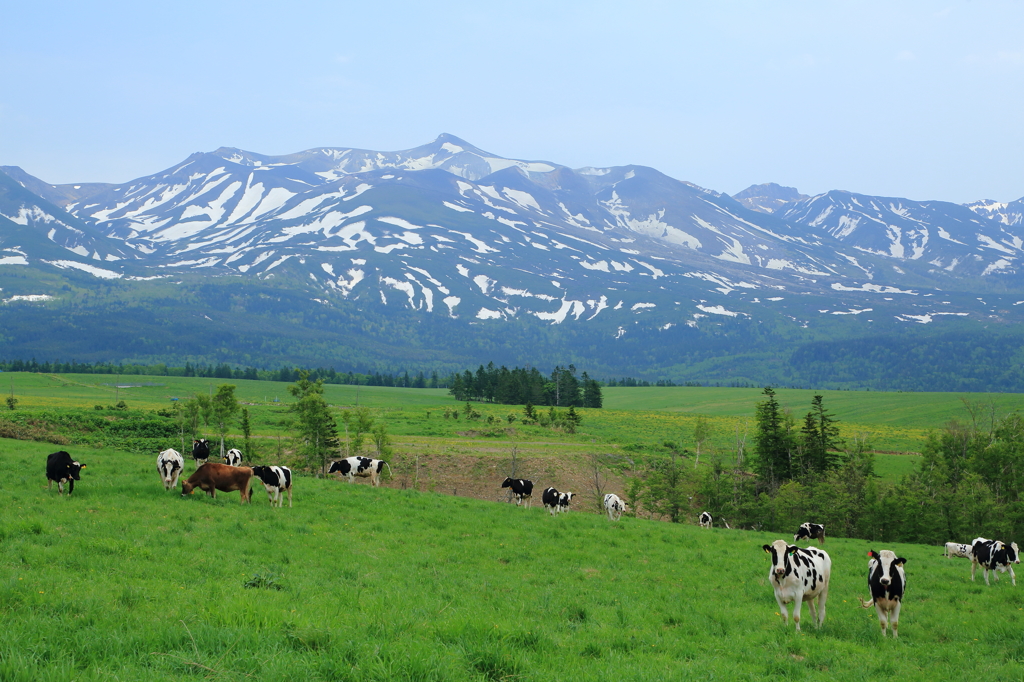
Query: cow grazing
(233, 457)
(810, 531)
(887, 582)
(522, 490)
(614, 505)
(62, 469)
(954, 549)
(799, 575)
(212, 477)
(995, 556)
(169, 464)
(551, 499)
(200, 451)
(364, 467)
(563, 501)
(277, 480)
(704, 520)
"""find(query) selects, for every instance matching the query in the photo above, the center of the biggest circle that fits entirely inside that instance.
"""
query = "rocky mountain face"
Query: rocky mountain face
(447, 231)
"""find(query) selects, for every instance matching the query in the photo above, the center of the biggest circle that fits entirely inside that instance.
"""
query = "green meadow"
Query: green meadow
(126, 581)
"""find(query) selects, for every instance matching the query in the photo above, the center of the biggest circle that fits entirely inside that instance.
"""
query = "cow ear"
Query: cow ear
(791, 550)
(767, 548)
(900, 561)
(872, 554)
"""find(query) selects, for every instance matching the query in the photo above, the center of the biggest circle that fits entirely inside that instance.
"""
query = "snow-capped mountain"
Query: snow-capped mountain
(451, 232)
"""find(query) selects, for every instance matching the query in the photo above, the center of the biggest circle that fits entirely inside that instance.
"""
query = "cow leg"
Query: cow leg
(883, 616)
(986, 574)
(894, 620)
(783, 610)
(822, 598)
(60, 487)
(1013, 578)
(289, 498)
(974, 565)
(49, 484)
(797, 603)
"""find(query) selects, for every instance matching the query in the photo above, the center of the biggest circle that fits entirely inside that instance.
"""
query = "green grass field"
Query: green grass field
(126, 581)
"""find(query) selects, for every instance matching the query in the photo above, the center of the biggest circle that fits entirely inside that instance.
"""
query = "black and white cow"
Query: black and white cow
(614, 505)
(60, 467)
(995, 556)
(799, 575)
(704, 520)
(233, 457)
(810, 531)
(170, 464)
(363, 467)
(277, 480)
(887, 582)
(551, 499)
(954, 549)
(200, 451)
(563, 501)
(522, 490)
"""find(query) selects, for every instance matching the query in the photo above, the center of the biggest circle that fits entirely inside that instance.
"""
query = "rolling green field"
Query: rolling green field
(126, 581)
(890, 422)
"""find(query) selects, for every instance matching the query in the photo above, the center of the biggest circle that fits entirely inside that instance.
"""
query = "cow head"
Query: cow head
(75, 469)
(1012, 553)
(335, 467)
(507, 482)
(780, 551)
(887, 561)
(187, 488)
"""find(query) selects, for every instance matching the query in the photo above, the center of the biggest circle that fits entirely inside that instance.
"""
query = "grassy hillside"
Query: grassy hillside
(127, 581)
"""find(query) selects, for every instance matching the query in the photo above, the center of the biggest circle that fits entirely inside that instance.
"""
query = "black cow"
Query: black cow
(200, 451)
(276, 480)
(995, 556)
(551, 499)
(810, 531)
(887, 582)
(61, 468)
(522, 490)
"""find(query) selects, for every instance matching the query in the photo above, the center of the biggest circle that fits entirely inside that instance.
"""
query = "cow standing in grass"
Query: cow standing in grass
(276, 480)
(214, 476)
(887, 582)
(704, 520)
(954, 549)
(799, 575)
(551, 499)
(614, 505)
(995, 556)
(170, 464)
(200, 452)
(810, 531)
(233, 457)
(60, 467)
(364, 467)
(522, 490)
(563, 501)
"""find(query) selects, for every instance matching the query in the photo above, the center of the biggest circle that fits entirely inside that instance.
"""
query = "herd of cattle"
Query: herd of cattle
(797, 574)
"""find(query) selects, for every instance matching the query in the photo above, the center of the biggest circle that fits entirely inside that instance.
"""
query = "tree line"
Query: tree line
(788, 470)
(521, 386)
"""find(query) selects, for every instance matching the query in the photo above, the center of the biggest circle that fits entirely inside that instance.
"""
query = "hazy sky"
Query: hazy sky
(913, 99)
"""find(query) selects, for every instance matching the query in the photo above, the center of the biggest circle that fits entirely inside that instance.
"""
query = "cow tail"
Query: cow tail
(390, 475)
(866, 605)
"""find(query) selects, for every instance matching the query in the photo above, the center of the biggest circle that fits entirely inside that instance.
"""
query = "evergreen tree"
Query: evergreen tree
(773, 442)
(224, 406)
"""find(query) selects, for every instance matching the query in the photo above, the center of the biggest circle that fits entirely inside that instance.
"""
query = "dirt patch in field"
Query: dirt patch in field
(479, 473)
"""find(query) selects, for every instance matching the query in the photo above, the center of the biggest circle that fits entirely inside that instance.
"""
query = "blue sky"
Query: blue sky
(913, 99)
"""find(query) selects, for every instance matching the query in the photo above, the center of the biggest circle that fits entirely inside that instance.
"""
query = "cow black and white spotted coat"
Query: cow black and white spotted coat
(799, 575)
(888, 582)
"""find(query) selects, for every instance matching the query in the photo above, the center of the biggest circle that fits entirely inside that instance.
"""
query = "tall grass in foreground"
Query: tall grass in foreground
(126, 581)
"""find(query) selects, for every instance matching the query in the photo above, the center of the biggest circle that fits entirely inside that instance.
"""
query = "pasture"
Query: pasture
(127, 581)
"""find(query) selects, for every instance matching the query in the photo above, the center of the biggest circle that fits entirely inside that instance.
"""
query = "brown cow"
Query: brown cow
(212, 477)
